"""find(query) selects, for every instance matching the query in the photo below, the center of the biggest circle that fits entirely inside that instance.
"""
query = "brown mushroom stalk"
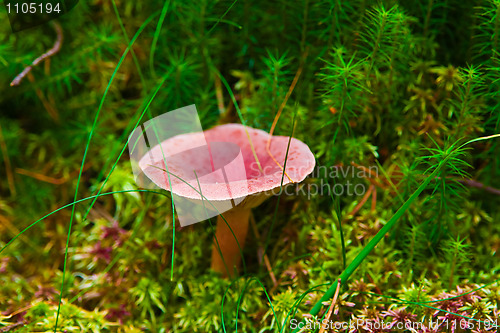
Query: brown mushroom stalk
(228, 260)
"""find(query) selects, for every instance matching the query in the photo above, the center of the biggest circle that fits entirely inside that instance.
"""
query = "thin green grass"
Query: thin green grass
(268, 238)
(94, 126)
(127, 39)
(164, 10)
(240, 297)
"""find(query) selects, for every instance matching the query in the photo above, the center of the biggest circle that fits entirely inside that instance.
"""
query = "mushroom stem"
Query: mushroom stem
(237, 219)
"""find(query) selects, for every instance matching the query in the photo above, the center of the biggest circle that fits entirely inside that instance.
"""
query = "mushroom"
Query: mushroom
(234, 172)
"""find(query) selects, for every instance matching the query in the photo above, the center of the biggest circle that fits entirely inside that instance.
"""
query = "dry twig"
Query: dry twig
(57, 46)
(330, 310)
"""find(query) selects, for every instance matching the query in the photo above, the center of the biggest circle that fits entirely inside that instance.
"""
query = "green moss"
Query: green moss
(391, 86)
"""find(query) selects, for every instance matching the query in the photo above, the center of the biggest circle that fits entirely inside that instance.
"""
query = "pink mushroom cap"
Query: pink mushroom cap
(228, 148)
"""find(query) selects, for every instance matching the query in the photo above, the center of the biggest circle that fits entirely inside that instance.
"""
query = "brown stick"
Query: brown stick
(362, 202)
(11, 327)
(476, 184)
(332, 305)
(374, 199)
(47, 179)
(227, 262)
(57, 46)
